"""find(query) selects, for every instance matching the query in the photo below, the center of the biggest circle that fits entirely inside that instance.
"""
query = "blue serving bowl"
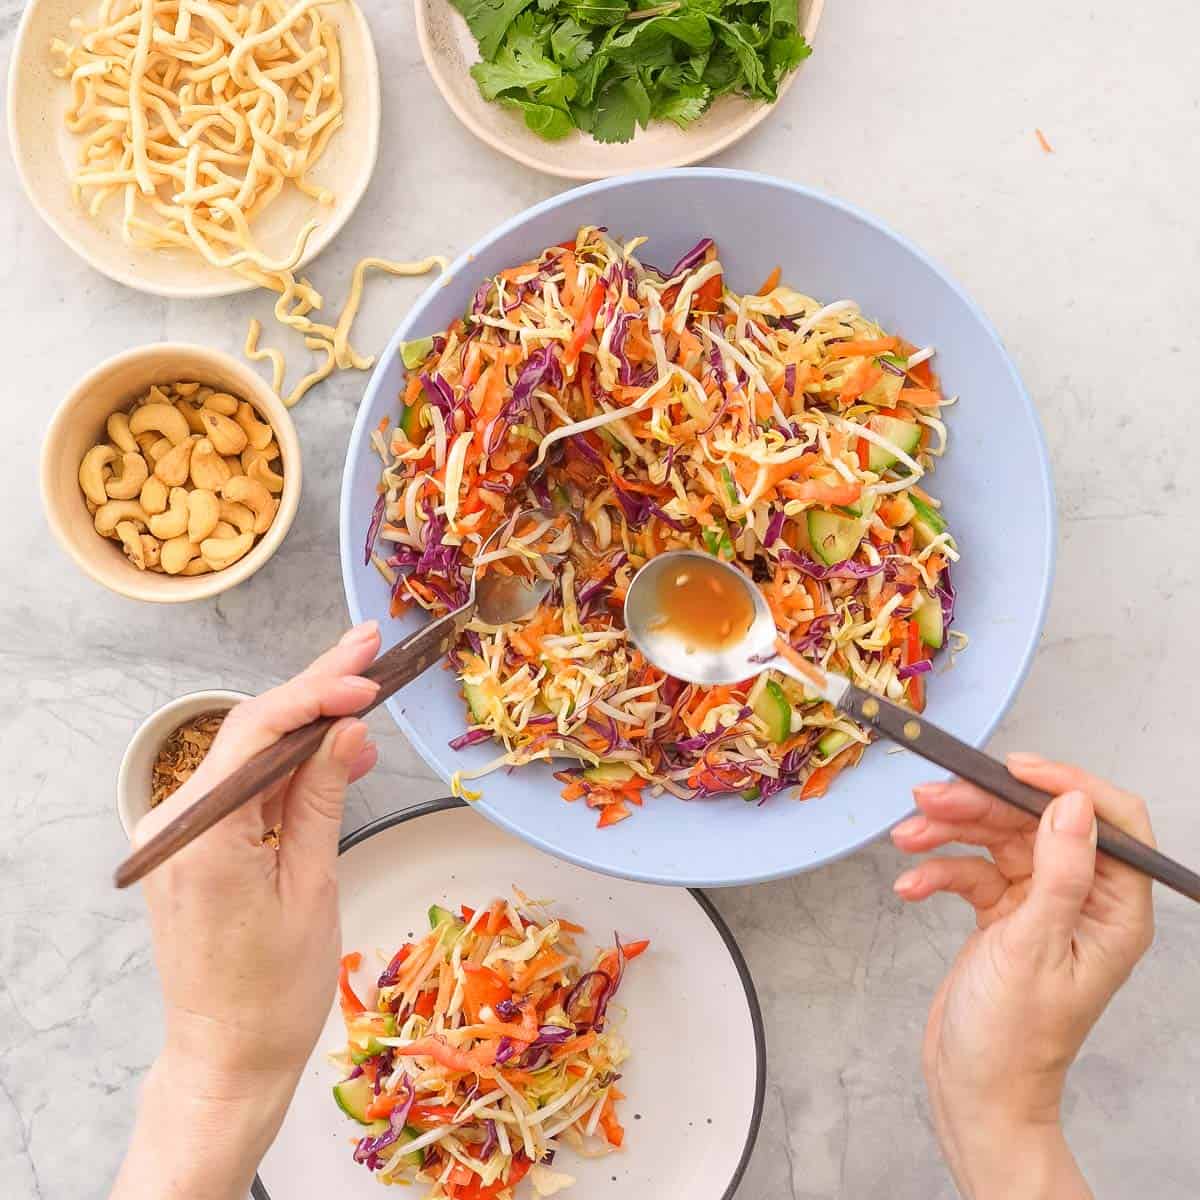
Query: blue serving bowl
(995, 482)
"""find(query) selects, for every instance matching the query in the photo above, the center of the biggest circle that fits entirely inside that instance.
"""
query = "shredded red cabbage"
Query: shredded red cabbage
(917, 668)
(774, 528)
(471, 738)
(579, 994)
(947, 596)
(693, 258)
(368, 1148)
(373, 528)
(849, 569)
(611, 990)
(490, 1142)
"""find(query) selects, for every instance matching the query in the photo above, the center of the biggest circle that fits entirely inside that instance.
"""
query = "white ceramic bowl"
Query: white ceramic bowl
(450, 51)
(133, 779)
(46, 154)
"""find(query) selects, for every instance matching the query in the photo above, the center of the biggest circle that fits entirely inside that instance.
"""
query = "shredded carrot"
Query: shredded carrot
(771, 282)
(854, 349)
(1043, 142)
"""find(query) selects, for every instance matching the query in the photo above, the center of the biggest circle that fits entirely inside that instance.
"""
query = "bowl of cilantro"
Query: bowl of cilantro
(586, 89)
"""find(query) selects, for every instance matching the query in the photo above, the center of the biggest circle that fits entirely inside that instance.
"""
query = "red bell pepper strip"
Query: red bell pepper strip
(482, 987)
(351, 1004)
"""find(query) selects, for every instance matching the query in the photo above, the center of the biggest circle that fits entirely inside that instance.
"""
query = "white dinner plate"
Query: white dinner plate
(695, 1076)
(450, 51)
(46, 154)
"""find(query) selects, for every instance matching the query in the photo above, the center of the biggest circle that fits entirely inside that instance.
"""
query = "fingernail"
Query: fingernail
(930, 789)
(1022, 758)
(1072, 815)
(356, 683)
(905, 882)
(360, 633)
(911, 827)
(350, 742)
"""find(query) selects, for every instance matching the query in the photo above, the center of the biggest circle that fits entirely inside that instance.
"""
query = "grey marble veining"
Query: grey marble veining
(1087, 262)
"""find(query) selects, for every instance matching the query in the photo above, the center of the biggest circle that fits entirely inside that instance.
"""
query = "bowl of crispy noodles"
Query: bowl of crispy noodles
(196, 150)
(723, 362)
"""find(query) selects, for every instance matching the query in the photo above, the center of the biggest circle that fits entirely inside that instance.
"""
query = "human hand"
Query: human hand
(1058, 932)
(246, 938)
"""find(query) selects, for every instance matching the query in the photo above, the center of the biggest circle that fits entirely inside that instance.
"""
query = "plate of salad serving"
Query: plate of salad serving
(802, 395)
(587, 90)
(508, 1025)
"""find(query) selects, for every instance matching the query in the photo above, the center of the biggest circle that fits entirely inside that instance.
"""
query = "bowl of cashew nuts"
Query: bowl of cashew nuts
(171, 473)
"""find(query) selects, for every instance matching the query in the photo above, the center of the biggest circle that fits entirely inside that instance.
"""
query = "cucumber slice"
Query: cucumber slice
(832, 743)
(473, 694)
(414, 353)
(353, 1096)
(928, 617)
(928, 522)
(904, 434)
(884, 393)
(834, 538)
(364, 1034)
(410, 421)
(864, 506)
(440, 916)
(615, 772)
(774, 710)
(727, 479)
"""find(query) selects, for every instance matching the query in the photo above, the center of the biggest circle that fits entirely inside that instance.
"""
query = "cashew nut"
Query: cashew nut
(151, 548)
(191, 414)
(263, 473)
(204, 511)
(209, 470)
(173, 467)
(154, 495)
(117, 428)
(226, 435)
(220, 553)
(128, 483)
(223, 529)
(251, 455)
(157, 450)
(237, 515)
(196, 567)
(131, 543)
(254, 495)
(222, 402)
(186, 389)
(108, 515)
(166, 418)
(258, 434)
(94, 472)
(144, 441)
(233, 463)
(176, 553)
(175, 520)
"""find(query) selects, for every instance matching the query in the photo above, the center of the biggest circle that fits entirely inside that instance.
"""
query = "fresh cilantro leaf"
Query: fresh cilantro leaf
(545, 120)
(571, 44)
(598, 12)
(520, 63)
(489, 20)
(785, 54)
(785, 13)
(683, 105)
(620, 108)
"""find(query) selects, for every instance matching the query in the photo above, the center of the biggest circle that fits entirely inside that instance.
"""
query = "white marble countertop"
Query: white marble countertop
(1085, 259)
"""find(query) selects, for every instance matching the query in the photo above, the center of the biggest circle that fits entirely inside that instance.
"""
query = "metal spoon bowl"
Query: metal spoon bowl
(669, 652)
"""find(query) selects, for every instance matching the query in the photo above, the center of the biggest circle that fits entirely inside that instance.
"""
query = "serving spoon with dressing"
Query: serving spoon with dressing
(703, 621)
(493, 597)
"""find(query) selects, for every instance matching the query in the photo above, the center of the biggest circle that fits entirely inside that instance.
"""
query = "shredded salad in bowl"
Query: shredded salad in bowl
(600, 411)
(487, 1045)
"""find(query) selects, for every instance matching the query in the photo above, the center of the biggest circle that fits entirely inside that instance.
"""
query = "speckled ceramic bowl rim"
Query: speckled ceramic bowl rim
(192, 587)
(202, 701)
(259, 1190)
(703, 147)
(234, 284)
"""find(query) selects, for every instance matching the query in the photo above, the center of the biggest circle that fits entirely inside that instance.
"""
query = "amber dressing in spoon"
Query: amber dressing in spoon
(703, 606)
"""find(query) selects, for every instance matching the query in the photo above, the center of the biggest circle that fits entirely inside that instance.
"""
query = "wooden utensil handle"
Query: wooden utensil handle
(912, 731)
(400, 665)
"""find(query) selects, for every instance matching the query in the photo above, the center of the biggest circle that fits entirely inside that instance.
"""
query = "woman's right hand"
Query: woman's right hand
(1058, 932)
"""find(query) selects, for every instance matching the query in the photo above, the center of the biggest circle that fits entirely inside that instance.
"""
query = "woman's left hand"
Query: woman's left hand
(246, 938)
